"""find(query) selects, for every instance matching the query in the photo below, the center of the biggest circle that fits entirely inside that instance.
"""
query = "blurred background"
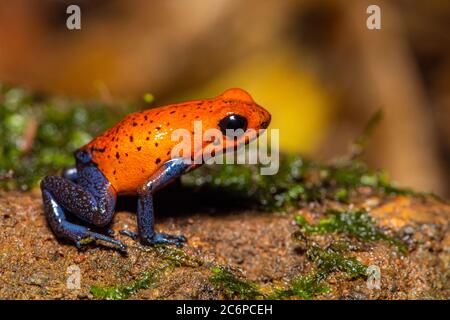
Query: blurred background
(313, 64)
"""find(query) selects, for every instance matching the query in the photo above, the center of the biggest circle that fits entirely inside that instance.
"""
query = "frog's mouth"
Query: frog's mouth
(233, 145)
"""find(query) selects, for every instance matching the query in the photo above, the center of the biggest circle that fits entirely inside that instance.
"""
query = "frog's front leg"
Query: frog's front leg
(91, 199)
(168, 172)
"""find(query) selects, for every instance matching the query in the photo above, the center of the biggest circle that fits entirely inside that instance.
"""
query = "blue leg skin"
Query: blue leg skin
(91, 198)
(171, 170)
(70, 174)
(128, 233)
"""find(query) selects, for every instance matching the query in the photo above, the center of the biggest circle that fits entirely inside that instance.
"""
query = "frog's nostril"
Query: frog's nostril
(264, 124)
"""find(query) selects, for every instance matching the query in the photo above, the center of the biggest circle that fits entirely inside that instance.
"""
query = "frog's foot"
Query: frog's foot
(157, 238)
(85, 236)
(164, 238)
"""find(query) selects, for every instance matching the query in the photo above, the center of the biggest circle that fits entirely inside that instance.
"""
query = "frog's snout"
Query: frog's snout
(265, 124)
(265, 118)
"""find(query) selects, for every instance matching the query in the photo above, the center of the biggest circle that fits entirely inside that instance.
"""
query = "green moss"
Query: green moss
(38, 136)
(331, 260)
(177, 257)
(358, 224)
(232, 286)
(170, 258)
(305, 287)
(297, 181)
(144, 281)
(326, 261)
(353, 174)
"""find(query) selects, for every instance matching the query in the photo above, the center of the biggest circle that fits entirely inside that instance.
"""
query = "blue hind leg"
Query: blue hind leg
(91, 198)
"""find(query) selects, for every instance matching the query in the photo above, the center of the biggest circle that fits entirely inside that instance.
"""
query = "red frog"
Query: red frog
(135, 157)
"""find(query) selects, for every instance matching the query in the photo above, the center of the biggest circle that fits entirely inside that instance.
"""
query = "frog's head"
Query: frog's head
(220, 124)
(238, 117)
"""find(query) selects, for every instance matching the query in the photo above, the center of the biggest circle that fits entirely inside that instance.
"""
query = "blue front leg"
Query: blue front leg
(171, 170)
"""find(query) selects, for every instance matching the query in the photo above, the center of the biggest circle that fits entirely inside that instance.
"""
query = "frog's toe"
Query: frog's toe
(173, 239)
(164, 238)
(90, 236)
(179, 238)
(129, 233)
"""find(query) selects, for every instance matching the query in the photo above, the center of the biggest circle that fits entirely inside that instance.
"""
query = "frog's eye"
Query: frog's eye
(233, 122)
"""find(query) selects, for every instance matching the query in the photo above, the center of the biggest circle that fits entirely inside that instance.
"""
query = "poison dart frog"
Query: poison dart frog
(134, 157)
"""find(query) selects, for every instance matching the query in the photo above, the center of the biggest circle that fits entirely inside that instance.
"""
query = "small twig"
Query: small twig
(29, 135)
(359, 145)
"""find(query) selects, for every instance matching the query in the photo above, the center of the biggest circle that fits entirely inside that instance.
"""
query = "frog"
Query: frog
(134, 157)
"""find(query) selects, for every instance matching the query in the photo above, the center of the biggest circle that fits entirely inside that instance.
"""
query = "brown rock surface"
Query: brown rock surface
(33, 264)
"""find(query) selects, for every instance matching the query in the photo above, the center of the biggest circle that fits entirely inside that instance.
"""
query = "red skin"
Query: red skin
(131, 151)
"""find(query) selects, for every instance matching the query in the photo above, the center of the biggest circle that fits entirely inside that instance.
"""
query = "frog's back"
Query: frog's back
(135, 147)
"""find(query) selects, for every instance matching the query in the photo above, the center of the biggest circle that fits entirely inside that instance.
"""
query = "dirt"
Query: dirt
(257, 245)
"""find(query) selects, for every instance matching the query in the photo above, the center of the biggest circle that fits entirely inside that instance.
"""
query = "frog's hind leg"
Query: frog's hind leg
(91, 199)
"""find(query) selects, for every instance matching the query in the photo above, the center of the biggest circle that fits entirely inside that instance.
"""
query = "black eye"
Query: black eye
(233, 122)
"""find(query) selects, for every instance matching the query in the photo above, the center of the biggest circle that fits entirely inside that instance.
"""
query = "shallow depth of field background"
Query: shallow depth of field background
(313, 64)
